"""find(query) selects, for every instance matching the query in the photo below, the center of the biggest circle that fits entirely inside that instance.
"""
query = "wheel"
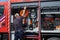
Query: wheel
(53, 38)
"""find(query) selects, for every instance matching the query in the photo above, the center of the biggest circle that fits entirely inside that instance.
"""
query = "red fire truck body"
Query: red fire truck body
(4, 18)
(12, 1)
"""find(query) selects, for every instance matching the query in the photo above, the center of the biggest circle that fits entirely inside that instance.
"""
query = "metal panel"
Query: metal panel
(50, 31)
(50, 13)
(50, 4)
(30, 4)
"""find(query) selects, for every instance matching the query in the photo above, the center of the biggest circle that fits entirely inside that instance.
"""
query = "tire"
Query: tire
(53, 38)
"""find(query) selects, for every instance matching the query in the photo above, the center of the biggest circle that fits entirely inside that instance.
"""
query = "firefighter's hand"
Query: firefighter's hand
(24, 16)
(25, 8)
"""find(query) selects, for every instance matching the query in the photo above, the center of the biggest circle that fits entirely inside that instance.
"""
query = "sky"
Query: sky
(3, 0)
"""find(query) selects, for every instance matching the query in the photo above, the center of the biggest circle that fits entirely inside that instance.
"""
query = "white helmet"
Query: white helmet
(16, 14)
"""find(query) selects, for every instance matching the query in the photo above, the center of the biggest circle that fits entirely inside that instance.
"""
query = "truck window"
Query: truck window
(1, 10)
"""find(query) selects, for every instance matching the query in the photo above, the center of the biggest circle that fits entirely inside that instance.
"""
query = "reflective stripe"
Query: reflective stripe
(2, 18)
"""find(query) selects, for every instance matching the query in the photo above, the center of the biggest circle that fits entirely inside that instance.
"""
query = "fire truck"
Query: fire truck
(8, 8)
(42, 20)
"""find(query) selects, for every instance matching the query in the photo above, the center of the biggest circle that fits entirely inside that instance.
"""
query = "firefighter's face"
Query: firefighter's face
(17, 16)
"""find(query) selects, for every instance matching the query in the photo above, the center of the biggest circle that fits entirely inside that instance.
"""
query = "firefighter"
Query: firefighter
(18, 27)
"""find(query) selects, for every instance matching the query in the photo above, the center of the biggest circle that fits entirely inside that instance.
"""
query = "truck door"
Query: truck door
(4, 27)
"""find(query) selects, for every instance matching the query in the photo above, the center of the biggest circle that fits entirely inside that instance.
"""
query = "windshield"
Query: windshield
(1, 10)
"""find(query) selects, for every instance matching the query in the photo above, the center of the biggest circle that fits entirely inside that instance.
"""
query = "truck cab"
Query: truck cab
(4, 28)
